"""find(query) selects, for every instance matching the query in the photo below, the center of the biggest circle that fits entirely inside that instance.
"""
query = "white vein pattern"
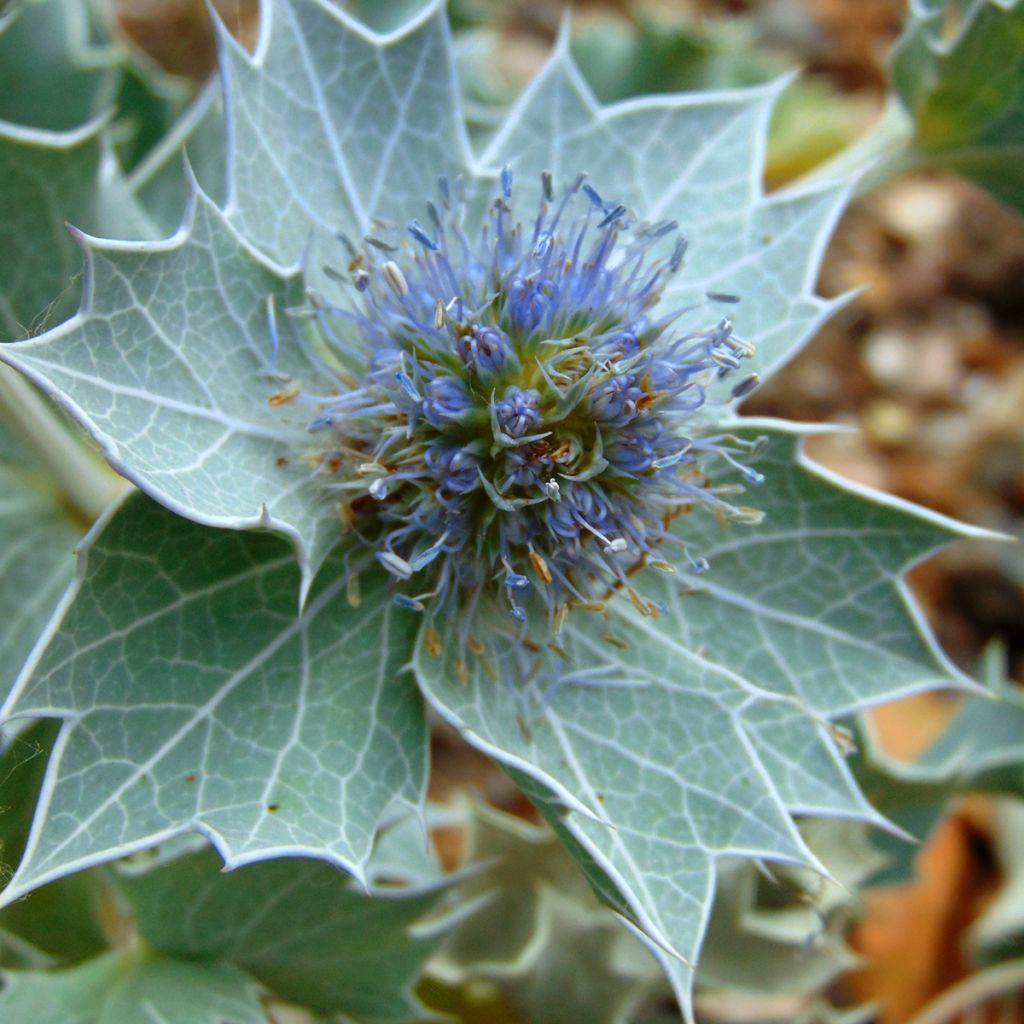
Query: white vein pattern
(299, 926)
(196, 698)
(697, 159)
(36, 565)
(331, 124)
(719, 731)
(168, 365)
(710, 730)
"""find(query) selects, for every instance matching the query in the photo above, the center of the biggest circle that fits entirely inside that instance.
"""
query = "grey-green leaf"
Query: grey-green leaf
(55, 163)
(959, 71)
(710, 729)
(131, 986)
(60, 923)
(195, 697)
(332, 124)
(51, 77)
(539, 936)
(983, 746)
(698, 159)
(169, 366)
(298, 926)
(159, 181)
(37, 556)
(46, 180)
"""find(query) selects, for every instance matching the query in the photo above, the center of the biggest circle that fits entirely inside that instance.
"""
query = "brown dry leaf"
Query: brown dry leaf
(910, 936)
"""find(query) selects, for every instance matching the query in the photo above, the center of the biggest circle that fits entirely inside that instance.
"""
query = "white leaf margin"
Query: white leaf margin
(679, 970)
(261, 519)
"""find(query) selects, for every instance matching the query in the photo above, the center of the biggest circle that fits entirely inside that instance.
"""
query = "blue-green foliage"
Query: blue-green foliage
(391, 465)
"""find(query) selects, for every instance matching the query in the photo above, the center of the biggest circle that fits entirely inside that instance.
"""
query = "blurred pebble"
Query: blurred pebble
(919, 211)
(925, 363)
(888, 423)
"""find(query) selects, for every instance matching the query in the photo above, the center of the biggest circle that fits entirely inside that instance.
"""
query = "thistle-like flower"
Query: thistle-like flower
(515, 417)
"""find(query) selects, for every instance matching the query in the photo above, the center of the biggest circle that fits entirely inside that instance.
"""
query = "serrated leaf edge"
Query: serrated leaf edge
(226, 41)
(8, 713)
(261, 518)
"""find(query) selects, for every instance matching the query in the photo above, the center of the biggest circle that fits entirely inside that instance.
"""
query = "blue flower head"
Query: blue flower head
(516, 425)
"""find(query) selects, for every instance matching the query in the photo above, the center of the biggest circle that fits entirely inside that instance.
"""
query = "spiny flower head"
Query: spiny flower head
(514, 416)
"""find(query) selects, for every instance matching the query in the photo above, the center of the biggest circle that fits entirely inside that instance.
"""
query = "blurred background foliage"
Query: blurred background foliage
(926, 362)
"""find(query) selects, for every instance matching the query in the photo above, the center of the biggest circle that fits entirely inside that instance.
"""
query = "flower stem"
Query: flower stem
(884, 151)
(87, 484)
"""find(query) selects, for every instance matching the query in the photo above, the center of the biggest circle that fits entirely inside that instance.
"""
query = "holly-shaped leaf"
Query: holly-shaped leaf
(195, 696)
(159, 181)
(196, 424)
(983, 746)
(959, 71)
(37, 557)
(661, 756)
(46, 179)
(332, 124)
(538, 937)
(696, 158)
(61, 923)
(132, 985)
(52, 75)
(56, 164)
(301, 927)
(980, 750)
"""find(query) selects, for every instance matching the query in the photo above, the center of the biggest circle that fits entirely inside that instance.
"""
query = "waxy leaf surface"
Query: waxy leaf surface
(331, 124)
(698, 159)
(169, 365)
(697, 734)
(124, 986)
(959, 70)
(301, 927)
(195, 697)
(37, 555)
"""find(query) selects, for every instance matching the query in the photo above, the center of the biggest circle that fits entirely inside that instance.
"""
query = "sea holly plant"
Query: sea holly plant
(418, 426)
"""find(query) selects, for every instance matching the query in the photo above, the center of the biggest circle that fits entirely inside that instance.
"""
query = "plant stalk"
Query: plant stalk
(87, 483)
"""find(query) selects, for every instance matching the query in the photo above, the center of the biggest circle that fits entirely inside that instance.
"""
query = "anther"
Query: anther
(432, 642)
(746, 385)
(424, 558)
(747, 516)
(540, 567)
(395, 564)
(676, 259)
(614, 214)
(395, 278)
(352, 593)
(415, 229)
(378, 489)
